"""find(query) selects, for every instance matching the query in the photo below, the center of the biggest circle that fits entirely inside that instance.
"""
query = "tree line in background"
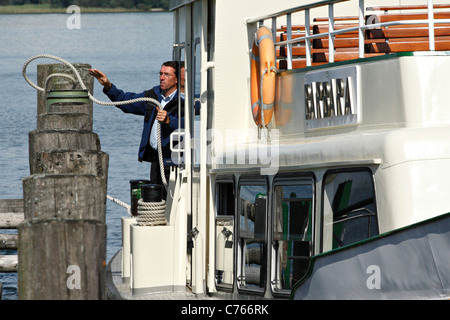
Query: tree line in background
(129, 4)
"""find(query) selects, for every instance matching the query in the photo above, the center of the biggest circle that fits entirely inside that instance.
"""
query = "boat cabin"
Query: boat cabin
(356, 145)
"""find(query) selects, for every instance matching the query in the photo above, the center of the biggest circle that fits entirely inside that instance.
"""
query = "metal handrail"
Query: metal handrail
(369, 26)
(362, 26)
(294, 10)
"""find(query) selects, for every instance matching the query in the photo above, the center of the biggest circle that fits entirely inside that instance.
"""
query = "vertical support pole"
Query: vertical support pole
(289, 38)
(187, 192)
(274, 37)
(307, 35)
(431, 25)
(179, 256)
(204, 219)
(330, 32)
(361, 30)
(274, 29)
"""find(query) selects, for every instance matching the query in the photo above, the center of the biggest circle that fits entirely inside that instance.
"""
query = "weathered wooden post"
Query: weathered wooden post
(62, 241)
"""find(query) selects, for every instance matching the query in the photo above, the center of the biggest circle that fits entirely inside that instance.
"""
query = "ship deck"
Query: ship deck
(118, 289)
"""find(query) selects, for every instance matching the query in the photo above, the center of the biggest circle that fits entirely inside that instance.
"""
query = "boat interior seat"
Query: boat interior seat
(409, 37)
(377, 41)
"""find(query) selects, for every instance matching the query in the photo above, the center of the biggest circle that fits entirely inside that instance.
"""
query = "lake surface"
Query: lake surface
(128, 47)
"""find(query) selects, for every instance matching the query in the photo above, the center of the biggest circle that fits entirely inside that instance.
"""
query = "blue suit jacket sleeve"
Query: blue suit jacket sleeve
(115, 94)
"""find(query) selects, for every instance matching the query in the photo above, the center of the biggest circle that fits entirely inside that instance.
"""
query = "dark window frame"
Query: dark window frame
(291, 179)
(228, 179)
(356, 206)
(251, 181)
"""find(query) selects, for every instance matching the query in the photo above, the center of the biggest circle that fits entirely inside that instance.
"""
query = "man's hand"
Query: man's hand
(161, 116)
(101, 77)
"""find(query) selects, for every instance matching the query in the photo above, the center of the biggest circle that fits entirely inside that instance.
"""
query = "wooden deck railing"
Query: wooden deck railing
(387, 29)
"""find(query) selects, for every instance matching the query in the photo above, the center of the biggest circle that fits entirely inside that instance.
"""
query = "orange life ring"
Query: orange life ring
(262, 68)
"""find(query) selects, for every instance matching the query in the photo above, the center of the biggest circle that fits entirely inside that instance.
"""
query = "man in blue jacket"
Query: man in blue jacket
(167, 95)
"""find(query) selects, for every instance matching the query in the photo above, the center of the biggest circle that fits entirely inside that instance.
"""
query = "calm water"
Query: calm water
(128, 47)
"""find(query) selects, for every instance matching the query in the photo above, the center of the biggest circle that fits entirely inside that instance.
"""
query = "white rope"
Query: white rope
(151, 213)
(160, 157)
(80, 81)
(120, 203)
(103, 103)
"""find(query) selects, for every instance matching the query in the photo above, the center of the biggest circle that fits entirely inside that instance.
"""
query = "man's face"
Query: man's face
(167, 80)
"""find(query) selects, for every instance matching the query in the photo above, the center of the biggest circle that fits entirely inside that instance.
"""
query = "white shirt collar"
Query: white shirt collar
(169, 97)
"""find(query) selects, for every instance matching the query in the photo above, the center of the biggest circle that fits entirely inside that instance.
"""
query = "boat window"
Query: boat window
(349, 208)
(251, 256)
(292, 233)
(225, 213)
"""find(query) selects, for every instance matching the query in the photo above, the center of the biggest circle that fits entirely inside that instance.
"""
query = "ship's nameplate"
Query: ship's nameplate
(332, 98)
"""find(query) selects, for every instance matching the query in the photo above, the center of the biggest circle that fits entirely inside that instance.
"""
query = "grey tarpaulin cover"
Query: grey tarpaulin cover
(410, 263)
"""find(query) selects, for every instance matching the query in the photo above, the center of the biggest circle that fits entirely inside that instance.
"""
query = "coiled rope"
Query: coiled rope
(151, 213)
(103, 103)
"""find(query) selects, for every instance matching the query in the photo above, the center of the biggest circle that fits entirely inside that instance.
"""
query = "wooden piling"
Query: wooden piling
(62, 241)
(73, 255)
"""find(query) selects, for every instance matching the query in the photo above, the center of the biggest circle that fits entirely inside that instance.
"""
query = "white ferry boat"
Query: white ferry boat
(318, 164)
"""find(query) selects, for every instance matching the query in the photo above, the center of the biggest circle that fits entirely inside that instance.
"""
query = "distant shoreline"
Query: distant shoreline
(29, 8)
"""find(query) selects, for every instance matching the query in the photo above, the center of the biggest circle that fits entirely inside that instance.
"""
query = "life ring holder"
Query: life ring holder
(262, 77)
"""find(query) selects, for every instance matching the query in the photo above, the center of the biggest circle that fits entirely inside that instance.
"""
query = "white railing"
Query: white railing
(331, 34)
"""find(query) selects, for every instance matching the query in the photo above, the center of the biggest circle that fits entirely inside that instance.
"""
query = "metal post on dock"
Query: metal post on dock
(62, 240)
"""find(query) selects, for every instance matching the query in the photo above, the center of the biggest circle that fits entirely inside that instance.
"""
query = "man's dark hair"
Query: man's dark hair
(174, 65)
